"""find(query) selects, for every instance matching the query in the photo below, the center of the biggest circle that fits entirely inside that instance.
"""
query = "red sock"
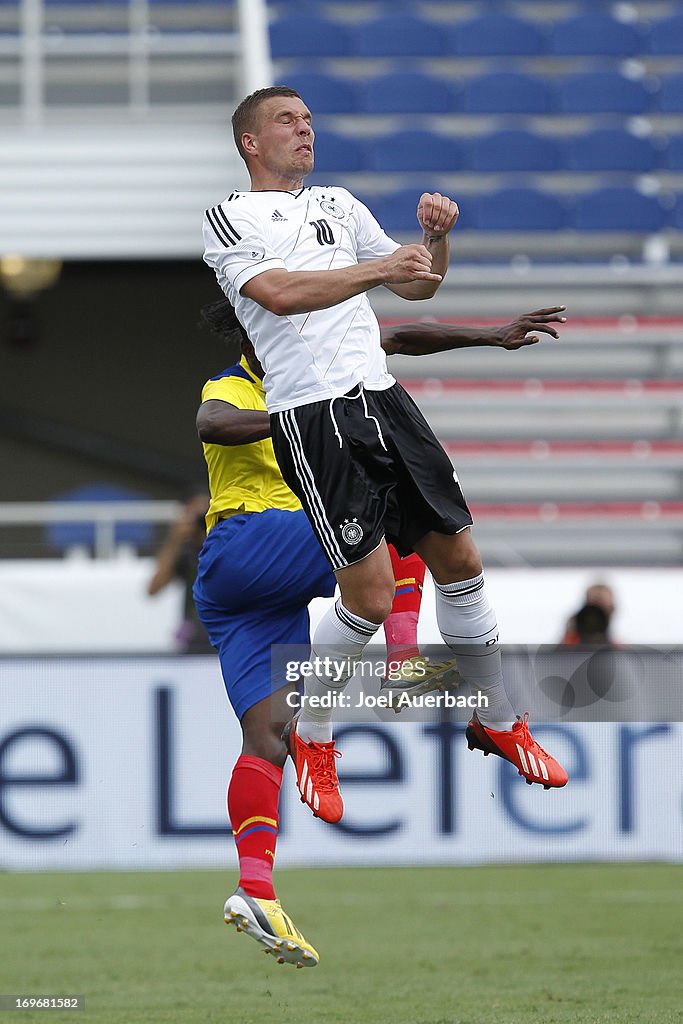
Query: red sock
(400, 629)
(253, 796)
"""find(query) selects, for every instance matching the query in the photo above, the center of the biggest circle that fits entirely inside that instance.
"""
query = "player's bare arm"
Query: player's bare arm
(220, 422)
(424, 339)
(437, 215)
(286, 292)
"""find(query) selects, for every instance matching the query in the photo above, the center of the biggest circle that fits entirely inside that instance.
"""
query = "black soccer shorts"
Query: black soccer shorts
(366, 466)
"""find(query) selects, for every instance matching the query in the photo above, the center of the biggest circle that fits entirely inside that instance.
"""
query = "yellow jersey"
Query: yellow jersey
(242, 477)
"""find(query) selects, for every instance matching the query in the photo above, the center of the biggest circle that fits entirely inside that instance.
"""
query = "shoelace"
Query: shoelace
(321, 762)
(527, 739)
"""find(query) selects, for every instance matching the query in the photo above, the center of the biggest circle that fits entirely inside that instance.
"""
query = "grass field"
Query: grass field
(511, 945)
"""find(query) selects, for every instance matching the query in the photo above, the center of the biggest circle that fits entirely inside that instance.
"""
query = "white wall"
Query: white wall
(93, 606)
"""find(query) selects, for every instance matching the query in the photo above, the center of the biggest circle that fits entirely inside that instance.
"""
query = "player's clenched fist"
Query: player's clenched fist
(437, 214)
(410, 263)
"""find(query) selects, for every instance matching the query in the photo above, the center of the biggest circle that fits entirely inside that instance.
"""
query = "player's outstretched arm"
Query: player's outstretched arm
(423, 339)
(219, 422)
(437, 215)
(285, 292)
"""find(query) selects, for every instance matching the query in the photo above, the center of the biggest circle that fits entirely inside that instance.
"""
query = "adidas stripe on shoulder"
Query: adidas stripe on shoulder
(224, 231)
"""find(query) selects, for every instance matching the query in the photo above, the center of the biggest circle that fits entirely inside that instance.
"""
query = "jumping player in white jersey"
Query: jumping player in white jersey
(297, 262)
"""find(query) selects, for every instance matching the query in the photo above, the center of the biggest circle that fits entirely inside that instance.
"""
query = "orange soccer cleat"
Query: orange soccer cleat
(518, 746)
(316, 774)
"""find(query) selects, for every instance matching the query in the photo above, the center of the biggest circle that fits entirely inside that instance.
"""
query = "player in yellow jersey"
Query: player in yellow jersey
(259, 568)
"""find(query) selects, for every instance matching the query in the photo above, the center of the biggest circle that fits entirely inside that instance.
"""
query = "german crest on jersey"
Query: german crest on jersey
(352, 532)
(332, 209)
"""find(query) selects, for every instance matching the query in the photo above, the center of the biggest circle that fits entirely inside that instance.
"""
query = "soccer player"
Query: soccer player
(259, 568)
(297, 262)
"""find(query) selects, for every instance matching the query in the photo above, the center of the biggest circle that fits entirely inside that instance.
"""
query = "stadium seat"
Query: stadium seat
(416, 151)
(498, 34)
(397, 211)
(401, 35)
(338, 153)
(670, 95)
(677, 214)
(306, 35)
(611, 150)
(327, 93)
(520, 209)
(507, 93)
(666, 36)
(674, 153)
(514, 151)
(595, 34)
(65, 535)
(602, 92)
(617, 209)
(408, 92)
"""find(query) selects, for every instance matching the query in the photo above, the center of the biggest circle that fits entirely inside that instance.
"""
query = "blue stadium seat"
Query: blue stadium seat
(401, 35)
(677, 214)
(514, 151)
(306, 35)
(327, 94)
(507, 92)
(397, 211)
(493, 35)
(338, 153)
(617, 209)
(666, 36)
(65, 535)
(416, 151)
(408, 92)
(520, 209)
(670, 95)
(595, 34)
(674, 153)
(611, 150)
(602, 92)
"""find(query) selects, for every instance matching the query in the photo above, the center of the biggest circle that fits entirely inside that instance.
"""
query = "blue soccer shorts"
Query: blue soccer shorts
(256, 575)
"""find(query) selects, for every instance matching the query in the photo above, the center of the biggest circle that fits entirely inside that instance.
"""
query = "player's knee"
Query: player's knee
(373, 606)
(462, 562)
(470, 566)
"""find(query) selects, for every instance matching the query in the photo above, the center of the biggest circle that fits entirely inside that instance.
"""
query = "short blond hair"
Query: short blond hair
(246, 116)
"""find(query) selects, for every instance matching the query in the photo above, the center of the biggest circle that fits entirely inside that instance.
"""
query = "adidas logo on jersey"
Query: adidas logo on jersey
(277, 215)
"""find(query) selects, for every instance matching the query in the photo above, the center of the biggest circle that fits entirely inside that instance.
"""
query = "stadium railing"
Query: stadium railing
(102, 516)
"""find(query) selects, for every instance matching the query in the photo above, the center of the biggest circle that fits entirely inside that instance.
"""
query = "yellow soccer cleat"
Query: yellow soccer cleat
(420, 675)
(266, 921)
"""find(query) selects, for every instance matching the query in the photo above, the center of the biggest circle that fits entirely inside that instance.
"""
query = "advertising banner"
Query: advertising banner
(123, 762)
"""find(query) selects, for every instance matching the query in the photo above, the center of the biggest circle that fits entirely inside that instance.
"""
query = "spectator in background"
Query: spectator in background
(599, 598)
(177, 560)
(592, 626)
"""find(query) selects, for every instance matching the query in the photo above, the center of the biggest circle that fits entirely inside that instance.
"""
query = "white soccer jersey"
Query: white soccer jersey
(307, 357)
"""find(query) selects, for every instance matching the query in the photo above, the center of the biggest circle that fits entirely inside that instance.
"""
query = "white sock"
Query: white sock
(468, 625)
(340, 637)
